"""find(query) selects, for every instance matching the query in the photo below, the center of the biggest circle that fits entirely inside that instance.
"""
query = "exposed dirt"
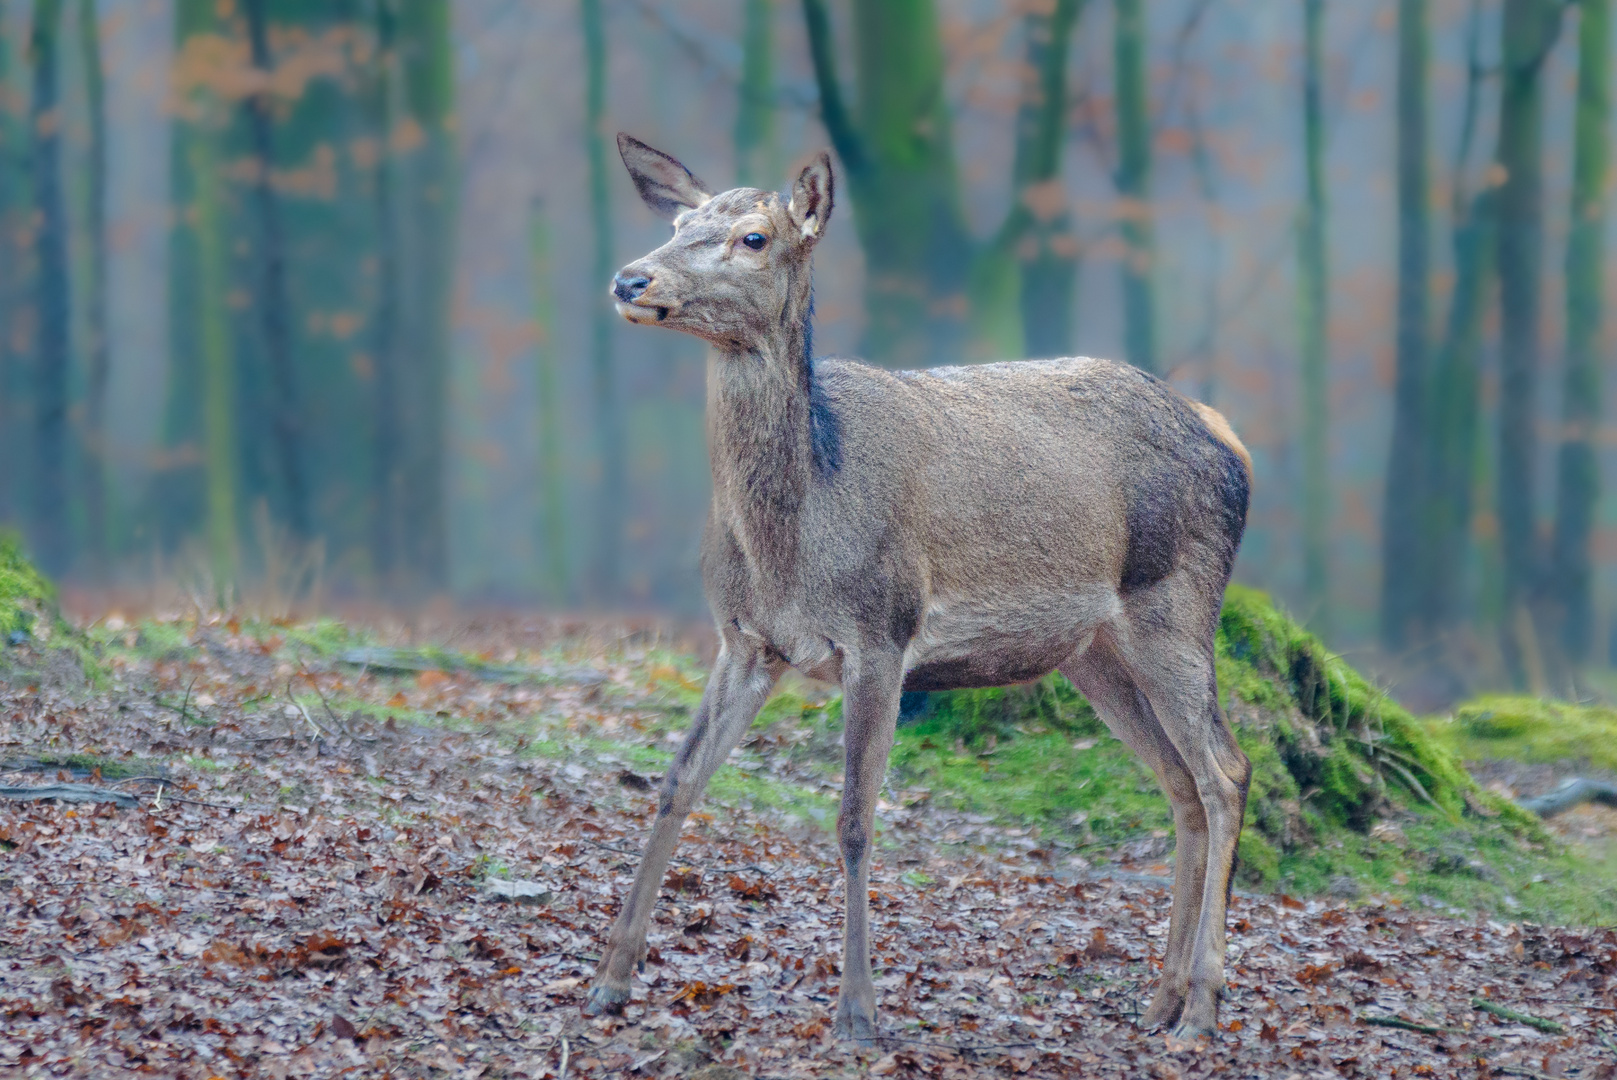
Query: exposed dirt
(310, 896)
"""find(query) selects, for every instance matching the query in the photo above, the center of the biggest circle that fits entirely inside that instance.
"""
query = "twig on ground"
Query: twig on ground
(566, 1052)
(1531, 1021)
(166, 784)
(1407, 1025)
(605, 847)
(336, 722)
(945, 1044)
(318, 730)
(185, 704)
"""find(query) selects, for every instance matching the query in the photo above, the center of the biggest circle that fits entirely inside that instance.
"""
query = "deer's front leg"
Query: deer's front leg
(741, 680)
(870, 691)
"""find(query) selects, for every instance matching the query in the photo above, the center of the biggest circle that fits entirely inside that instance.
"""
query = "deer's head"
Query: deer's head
(737, 266)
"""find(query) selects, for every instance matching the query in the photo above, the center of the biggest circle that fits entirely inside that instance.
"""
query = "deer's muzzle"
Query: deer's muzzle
(628, 288)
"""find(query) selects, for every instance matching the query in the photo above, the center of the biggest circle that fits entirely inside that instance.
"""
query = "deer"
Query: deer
(957, 527)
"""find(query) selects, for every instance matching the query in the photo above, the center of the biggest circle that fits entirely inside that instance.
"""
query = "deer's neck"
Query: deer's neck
(761, 440)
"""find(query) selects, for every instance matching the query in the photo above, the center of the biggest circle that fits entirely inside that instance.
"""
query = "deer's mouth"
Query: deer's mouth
(644, 314)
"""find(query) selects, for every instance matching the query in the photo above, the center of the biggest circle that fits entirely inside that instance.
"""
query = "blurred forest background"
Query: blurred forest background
(314, 292)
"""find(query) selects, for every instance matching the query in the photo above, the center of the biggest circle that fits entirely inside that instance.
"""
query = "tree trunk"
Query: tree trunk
(13, 207)
(218, 371)
(900, 172)
(1451, 431)
(1401, 518)
(1313, 264)
(605, 570)
(274, 303)
(51, 537)
(1134, 184)
(388, 462)
(552, 509)
(177, 503)
(1046, 249)
(427, 51)
(97, 347)
(1577, 481)
(1528, 32)
(755, 107)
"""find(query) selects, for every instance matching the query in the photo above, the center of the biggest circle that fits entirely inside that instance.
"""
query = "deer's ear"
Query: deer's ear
(666, 186)
(810, 208)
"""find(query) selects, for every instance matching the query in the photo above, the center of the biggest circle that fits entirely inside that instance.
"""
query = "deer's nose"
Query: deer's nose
(627, 287)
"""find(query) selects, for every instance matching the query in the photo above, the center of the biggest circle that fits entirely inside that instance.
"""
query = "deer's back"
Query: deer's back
(1034, 486)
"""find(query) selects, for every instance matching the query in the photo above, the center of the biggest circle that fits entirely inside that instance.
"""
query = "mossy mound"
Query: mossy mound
(27, 600)
(35, 641)
(1503, 727)
(1350, 792)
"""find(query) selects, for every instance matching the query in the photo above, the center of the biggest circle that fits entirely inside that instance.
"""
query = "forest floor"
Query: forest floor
(309, 883)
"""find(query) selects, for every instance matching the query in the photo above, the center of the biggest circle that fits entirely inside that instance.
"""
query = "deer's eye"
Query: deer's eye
(755, 240)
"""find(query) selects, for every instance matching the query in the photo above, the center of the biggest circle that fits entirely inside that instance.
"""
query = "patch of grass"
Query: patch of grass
(148, 639)
(1530, 729)
(323, 637)
(1091, 791)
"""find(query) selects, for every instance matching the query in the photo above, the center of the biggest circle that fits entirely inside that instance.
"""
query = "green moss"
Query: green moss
(1271, 662)
(323, 637)
(27, 600)
(29, 615)
(1530, 729)
(1258, 863)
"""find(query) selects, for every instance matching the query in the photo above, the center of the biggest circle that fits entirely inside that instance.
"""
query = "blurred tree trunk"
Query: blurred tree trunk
(1046, 249)
(178, 497)
(553, 510)
(1313, 264)
(930, 288)
(1451, 431)
(13, 208)
(755, 109)
(54, 305)
(273, 302)
(605, 569)
(899, 168)
(388, 525)
(218, 370)
(1528, 32)
(1577, 479)
(1401, 519)
(96, 346)
(426, 49)
(1134, 184)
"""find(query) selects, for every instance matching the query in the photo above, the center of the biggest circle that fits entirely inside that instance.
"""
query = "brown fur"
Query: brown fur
(936, 529)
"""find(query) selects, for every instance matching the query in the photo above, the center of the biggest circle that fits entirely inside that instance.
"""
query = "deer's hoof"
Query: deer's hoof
(1199, 1017)
(606, 999)
(1165, 1009)
(855, 1023)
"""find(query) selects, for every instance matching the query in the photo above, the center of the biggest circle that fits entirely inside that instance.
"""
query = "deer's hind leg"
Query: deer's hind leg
(738, 687)
(1099, 673)
(1167, 647)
